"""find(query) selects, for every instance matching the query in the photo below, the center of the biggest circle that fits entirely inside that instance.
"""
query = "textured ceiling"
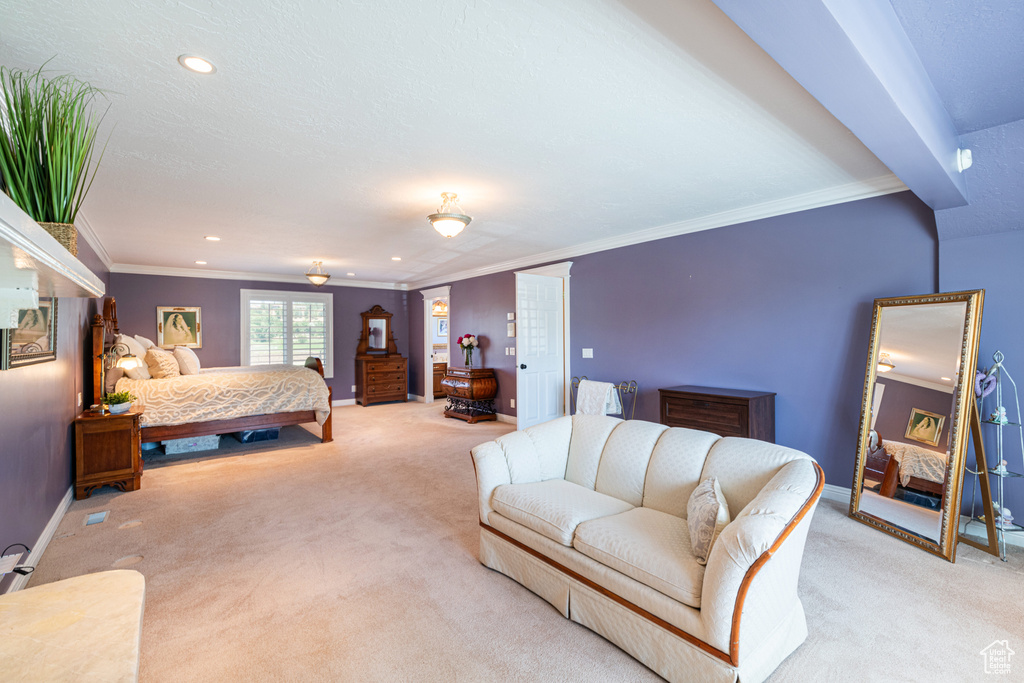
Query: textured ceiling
(330, 128)
(972, 52)
(924, 341)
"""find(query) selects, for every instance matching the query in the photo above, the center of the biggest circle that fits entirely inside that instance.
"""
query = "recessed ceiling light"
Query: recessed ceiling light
(197, 64)
(213, 238)
(948, 379)
(351, 274)
(200, 263)
(396, 258)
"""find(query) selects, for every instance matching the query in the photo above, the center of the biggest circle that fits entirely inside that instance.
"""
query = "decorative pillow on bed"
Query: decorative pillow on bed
(162, 364)
(188, 361)
(113, 374)
(137, 350)
(707, 514)
(146, 343)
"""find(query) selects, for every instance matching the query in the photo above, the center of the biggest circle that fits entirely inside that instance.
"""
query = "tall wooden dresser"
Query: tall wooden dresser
(381, 379)
(382, 374)
(726, 412)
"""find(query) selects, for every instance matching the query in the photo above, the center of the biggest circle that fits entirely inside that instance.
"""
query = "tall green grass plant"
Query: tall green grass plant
(47, 137)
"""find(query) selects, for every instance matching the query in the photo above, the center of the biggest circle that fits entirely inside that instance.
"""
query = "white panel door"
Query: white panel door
(540, 377)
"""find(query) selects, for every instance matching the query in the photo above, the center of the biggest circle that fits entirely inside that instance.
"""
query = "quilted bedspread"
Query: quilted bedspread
(915, 461)
(229, 393)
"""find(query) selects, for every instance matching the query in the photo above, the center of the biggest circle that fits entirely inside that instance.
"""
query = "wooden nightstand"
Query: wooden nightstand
(107, 452)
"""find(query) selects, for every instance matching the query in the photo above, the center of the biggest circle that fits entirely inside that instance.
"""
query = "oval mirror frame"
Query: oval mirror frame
(962, 404)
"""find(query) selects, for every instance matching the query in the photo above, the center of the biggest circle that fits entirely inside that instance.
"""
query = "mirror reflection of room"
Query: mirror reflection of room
(913, 399)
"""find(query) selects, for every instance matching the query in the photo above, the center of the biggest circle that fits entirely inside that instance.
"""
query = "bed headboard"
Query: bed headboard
(104, 329)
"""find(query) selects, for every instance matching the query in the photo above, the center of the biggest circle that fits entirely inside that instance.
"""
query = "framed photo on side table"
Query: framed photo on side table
(34, 340)
(179, 326)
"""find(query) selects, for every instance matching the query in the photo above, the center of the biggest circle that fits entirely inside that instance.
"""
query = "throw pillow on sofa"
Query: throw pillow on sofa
(707, 514)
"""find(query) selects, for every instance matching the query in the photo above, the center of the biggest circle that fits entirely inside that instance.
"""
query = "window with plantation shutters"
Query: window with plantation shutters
(287, 327)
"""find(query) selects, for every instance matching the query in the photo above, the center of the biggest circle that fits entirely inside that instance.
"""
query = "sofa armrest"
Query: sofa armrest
(491, 472)
(755, 563)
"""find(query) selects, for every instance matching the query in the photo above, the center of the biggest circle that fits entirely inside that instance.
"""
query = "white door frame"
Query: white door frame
(428, 337)
(560, 270)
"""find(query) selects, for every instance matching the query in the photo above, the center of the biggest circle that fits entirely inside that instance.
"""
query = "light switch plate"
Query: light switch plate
(512, 403)
(588, 353)
(511, 316)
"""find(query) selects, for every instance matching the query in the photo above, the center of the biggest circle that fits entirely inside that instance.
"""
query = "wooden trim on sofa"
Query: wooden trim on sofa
(741, 594)
(675, 630)
(733, 656)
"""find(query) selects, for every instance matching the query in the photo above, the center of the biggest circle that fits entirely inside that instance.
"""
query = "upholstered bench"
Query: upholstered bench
(607, 521)
(83, 629)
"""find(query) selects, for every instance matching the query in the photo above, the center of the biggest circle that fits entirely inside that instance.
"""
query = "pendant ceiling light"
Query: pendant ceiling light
(884, 364)
(316, 274)
(449, 219)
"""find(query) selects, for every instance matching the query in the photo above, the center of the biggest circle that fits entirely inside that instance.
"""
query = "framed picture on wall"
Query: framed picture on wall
(34, 340)
(442, 327)
(924, 426)
(179, 326)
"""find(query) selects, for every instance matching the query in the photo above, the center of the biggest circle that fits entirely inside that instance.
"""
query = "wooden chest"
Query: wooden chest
(727, 412)
(380, 379)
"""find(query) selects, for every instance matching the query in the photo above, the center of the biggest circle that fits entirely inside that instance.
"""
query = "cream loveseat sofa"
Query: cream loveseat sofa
(589, 512)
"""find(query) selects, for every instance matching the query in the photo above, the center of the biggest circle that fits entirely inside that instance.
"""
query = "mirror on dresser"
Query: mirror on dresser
(915, 415)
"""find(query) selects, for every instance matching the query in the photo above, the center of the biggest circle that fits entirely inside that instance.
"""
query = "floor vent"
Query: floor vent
(96, 518)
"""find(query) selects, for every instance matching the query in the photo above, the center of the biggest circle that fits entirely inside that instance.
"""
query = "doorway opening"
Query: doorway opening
(436, 340)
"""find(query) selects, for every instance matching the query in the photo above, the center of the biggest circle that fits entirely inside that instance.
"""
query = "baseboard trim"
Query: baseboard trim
(841, 494)
(510, 419)
(343, 402)
(44, 540)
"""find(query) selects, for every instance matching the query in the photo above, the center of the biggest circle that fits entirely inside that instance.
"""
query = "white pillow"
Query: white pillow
(146, 343)
(188, 361)
(162, 364)
(137, 350)
(707, 514)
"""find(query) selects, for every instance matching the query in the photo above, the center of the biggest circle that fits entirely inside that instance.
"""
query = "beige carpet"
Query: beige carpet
(356, 561)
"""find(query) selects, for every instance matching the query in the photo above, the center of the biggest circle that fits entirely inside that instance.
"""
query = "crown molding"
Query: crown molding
(851, 192)
(131, 269)
(906, 379)
(90, 236)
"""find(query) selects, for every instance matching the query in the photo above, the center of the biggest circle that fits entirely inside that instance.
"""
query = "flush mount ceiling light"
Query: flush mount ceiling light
(439, 309)
(196, 64)
(316, 274)
(884, 364)
(213, 238)
(449, 219)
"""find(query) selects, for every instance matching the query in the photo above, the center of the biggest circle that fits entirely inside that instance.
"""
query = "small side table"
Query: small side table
(470, 393)
(107, 452)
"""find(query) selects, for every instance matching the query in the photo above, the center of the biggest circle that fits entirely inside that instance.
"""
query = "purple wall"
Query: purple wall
(37, 406)
(899, 399)
(139, 295)
(781, 304)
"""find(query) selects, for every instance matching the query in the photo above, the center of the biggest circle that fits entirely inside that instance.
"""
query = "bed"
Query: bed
(908, 465)
(218, 400)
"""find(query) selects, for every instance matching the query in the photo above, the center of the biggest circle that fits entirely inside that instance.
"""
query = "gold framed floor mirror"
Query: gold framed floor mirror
(915, 417)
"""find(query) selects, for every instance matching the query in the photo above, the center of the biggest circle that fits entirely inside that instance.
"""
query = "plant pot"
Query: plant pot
(65, 233)
(119, 408)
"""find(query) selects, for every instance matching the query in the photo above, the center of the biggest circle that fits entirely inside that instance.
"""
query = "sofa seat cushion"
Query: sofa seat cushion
(649, 546)
(554, 508)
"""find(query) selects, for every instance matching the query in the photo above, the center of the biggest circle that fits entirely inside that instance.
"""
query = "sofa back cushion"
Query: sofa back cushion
(589, 434)
(744, 466)
(623, 466)
(675, 468)
(551, 441)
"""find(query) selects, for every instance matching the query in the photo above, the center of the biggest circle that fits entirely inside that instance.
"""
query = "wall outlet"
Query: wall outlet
(506, 350)
(353, 388)
(588, 353)
(511, 350)
(512, 403)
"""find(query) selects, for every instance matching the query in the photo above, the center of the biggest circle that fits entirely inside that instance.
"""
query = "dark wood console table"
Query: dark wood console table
(470, 393)
(727, 412)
